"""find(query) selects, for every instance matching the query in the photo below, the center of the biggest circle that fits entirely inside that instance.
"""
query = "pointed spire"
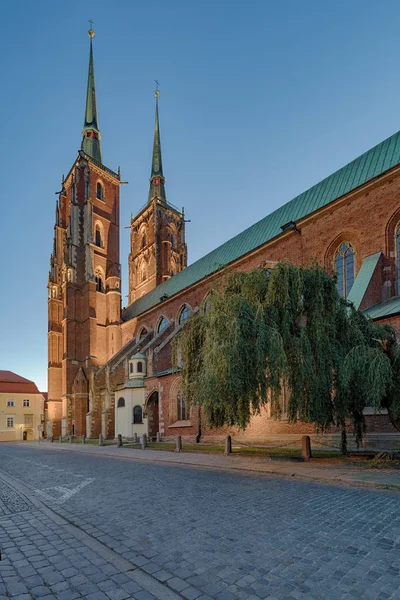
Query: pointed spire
(91, 132)
(157, 180)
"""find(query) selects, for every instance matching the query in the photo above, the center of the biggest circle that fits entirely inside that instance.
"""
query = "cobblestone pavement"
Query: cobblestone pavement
(208, 533)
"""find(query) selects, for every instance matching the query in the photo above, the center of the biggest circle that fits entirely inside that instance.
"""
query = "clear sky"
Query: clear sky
(259, 100)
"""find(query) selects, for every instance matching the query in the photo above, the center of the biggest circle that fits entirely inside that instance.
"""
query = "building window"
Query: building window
(73, 428)
(184, 314)
(26, 402)
(98, 240)
(137, 415)
(142, 333)
(130, 367)
(398, 259)
(10, 402)
(143, 242)
(99, 283)
(121, 402)
(181, 410)
(344, 268)
(99, 191)
(10, 421)
(163, 324)
(140, 367)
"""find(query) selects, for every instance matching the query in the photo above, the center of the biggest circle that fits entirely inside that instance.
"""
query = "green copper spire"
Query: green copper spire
(91, 133)
(157, 180)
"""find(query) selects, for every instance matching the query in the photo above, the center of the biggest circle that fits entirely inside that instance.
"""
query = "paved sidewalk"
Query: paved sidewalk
(330, 473)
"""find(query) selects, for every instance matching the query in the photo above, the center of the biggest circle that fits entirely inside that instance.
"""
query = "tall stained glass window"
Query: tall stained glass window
(344, 268)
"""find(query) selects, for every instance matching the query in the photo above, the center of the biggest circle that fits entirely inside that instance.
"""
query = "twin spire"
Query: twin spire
(91, 133)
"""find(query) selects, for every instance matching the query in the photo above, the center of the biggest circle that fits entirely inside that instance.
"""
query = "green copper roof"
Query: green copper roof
(384, 309)
(373, 163)
(157, 178)
(363, 279)
(91, 132)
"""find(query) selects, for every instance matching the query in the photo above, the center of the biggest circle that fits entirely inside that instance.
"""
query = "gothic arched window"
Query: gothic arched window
(97, 237)
(344, 269)
(137, 414)
(99, 281)
(162, 324)
(184, 314)
(142, 333)
(143, 273)
(131, 368)
(99, 191)
(139, 367)
(143, 240)
(181, 410)
(398, 258)
(121, 402)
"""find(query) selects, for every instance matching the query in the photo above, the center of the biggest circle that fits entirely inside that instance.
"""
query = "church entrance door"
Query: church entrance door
(152, 415)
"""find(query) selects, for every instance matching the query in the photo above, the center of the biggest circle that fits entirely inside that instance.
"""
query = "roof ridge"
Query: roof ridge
(372, 163)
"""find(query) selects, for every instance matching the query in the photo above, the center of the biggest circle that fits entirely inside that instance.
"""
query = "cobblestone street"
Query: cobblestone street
(84, 526)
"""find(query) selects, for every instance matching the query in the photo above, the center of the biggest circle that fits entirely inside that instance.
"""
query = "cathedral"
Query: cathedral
(110, 369)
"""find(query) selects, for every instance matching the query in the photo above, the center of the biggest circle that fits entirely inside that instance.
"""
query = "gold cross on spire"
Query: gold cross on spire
(157, 90)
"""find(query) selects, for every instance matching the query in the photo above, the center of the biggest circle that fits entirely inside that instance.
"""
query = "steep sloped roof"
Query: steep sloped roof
(366, 167)
(12, 383)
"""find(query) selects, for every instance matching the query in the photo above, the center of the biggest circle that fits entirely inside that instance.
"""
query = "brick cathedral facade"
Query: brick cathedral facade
(110, 370)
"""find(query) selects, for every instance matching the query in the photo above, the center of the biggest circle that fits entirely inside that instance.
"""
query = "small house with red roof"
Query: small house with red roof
(21, 409)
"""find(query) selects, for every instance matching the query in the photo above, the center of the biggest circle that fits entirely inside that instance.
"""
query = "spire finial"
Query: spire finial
(91, 33)
(91, 132)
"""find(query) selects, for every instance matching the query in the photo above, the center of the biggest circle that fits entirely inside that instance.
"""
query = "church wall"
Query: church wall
(362, 219)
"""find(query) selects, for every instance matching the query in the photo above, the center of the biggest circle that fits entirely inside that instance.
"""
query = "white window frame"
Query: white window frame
(26, 402)
(10, 419)
(10, 403)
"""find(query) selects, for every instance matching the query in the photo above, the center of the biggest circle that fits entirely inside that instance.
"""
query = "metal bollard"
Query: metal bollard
(228, 445)
(70, 439)
(158, 438)
(143, 440)
(306, 448)
(135, 438)
(83, 439)
(51, 438)
(178, 443)
(101, 440)
(60, 439)
(119, 442)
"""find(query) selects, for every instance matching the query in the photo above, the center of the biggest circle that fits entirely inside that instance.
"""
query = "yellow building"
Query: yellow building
(21, 409)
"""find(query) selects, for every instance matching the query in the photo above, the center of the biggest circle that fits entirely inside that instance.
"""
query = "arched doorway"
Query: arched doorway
(152, 415)
(25, 436)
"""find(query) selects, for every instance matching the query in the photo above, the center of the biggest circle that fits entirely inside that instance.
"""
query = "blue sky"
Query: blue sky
(259, 101)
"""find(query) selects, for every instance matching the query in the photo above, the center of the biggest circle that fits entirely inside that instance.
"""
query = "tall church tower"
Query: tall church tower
(84, 287)
(158, 248)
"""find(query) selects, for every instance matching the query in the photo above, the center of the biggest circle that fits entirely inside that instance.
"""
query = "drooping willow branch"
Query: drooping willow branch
(263, 329)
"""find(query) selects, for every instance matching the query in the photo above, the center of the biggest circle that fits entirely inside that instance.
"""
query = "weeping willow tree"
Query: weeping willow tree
(287, 326)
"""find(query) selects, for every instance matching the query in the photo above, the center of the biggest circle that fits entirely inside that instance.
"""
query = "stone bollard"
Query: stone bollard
(119, 442)
(143, 441)
(60, 439)
(83, 439)
(51, 438)
(228, 445)
(306, 448)
(178, 443)
(158, 438)
(101, 440)
(70, 439)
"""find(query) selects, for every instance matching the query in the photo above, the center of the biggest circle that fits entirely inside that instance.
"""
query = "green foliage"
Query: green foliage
(287, 326)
